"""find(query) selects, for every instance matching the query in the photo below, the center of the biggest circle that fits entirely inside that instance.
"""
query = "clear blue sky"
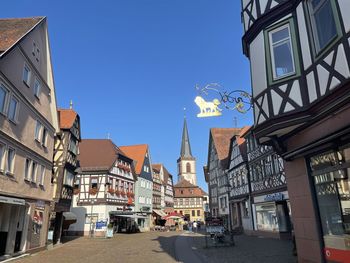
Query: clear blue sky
(130, 67)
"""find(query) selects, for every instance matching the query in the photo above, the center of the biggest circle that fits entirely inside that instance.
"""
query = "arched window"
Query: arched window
(188, 167)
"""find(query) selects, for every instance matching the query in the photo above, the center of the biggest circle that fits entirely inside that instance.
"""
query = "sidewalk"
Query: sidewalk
(247, 249)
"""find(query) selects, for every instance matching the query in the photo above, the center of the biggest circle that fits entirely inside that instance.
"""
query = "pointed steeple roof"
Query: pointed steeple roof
(185, 143)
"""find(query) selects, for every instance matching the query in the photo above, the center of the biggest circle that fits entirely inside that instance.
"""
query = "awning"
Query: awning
(69, 216)
(159, 212)
(11, 200)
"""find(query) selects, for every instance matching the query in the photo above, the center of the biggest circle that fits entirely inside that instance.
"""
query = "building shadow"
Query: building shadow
(167, 245)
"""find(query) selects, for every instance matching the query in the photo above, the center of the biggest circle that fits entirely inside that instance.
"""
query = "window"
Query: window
(94, 183)
(44, 137)
(13, 109)
(245, 208)
(3, 96)
(193, 212)
(77, 183)
(281, 49)
(198, 212)
(10, 160)
(27, 169)
(188, 167)
(34, 170)
(73, 145)
(26, 75)
(68, 178)
(323, 23)
(37, 88)
(37, 131)
(2, 153)
(42, 175)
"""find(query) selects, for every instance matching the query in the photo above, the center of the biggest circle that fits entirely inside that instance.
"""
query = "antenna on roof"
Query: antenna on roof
(71, 104)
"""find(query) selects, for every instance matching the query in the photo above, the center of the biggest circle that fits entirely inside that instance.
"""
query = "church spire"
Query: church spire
(185, 144)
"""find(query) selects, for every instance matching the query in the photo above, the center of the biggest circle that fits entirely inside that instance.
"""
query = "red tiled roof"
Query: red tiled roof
(13, 29)
(97, 154)
(66, 118)
(137, 153)
(221, 138)
(185, 189)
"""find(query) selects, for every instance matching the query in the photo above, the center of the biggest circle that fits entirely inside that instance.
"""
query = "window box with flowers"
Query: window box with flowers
(93, 191)
(111, 191)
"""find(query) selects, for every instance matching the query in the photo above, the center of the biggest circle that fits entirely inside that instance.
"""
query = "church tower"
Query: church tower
(186, 164)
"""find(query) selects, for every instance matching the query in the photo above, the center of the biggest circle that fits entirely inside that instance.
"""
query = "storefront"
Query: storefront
(329, 171)
(12, 217)
(271, 213)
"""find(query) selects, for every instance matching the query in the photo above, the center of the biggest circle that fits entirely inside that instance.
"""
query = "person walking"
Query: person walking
(194, 226)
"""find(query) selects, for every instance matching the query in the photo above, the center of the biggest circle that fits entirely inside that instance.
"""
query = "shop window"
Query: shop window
(324, 22)
(332, 187)
(266, 217)
(245, 208)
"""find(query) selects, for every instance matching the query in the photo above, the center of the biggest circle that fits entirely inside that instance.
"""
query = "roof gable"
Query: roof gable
(97, 154)
(66, 118)
(13, 30)
(137, 153)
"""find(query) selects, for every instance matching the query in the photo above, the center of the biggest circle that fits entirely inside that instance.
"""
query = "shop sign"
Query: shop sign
(274, 197)
(101, 224)
(13, 201)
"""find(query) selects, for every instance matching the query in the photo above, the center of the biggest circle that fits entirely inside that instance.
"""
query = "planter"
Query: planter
(93, 191)
(111, 191)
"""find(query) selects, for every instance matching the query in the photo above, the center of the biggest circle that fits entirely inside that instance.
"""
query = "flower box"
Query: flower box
(93, 191)
(111, 191)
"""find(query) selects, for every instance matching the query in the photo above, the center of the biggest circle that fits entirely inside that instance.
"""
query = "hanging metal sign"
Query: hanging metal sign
(234, 100)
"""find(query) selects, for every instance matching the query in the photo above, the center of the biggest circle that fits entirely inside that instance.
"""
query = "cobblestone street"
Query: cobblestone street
(164, 247)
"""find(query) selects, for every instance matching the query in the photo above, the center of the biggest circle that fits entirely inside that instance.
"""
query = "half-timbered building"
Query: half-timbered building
(269, 195)
(144, 184)
(158, 194)
(28, 123)
(104, 189)
(219, 190)
(188, 201)
(299, 54)
(65, 165)
(238, 176)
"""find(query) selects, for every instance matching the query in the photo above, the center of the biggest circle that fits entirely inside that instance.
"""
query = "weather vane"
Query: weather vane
(239, 100)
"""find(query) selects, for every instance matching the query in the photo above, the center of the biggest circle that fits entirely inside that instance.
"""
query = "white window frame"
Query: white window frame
(37, 131)
(37, 87)
(27, 172)
(10, 170)
(33, 172)
(44, 136)
(27, 81)
(15, 119)
(2, 155)
(271, 46)
(4, 109)
(42, 175)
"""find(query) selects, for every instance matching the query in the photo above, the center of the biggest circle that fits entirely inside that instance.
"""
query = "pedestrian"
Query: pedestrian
(190, 226)
(195, 226)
